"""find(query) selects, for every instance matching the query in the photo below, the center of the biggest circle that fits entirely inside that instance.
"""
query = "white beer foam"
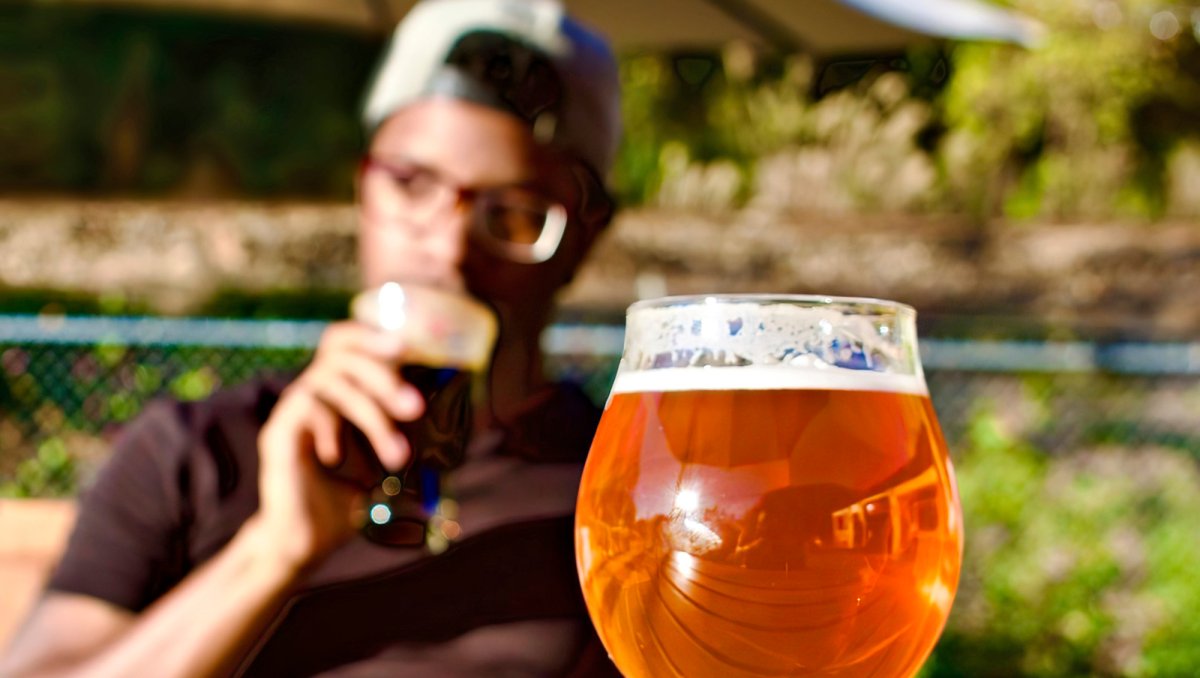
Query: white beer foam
(717, 331)
(760, 378)
(439, 327)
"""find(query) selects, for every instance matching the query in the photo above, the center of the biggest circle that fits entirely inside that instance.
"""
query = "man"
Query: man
(218, 540)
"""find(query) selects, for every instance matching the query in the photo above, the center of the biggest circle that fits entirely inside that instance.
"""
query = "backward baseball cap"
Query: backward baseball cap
(557, 75)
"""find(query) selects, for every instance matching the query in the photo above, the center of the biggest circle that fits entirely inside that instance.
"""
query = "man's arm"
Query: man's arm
(196, 629)
(62, 628)
(205, 623)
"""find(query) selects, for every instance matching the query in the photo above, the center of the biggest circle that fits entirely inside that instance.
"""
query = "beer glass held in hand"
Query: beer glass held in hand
(769, 493)
(449, 339)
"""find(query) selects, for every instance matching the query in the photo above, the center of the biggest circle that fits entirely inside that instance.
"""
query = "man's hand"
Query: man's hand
(306, 510)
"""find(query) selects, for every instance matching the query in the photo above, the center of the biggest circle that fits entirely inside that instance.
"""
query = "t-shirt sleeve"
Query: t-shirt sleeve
(128, 546)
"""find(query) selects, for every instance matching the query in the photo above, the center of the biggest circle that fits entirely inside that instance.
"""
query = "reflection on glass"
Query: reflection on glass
(749, 516)
(381, 514)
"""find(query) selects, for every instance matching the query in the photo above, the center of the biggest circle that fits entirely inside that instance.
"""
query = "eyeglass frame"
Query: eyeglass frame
(539, 251)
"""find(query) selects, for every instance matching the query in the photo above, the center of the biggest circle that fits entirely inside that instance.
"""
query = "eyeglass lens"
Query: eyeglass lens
(511, 215)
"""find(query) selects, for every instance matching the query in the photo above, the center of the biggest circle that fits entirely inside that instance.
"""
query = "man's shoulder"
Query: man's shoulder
(166, 428)
(177, 486)
(221, 436)
(252, 400)
(204, 454)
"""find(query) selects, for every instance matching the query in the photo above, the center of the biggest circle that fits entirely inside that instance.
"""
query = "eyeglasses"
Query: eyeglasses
(513, 222)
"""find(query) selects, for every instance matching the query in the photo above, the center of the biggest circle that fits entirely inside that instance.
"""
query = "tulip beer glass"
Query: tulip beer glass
(769, 493)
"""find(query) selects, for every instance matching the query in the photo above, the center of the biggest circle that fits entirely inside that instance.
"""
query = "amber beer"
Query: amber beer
(751, 520)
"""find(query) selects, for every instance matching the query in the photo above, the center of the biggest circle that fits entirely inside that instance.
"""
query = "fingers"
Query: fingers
(371, 359)
(325, 425)
(351, 337)
(344, 398)
(383, 384)
(354, 378)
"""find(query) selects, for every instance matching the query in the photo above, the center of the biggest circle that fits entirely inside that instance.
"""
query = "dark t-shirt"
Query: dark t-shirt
(502, 599)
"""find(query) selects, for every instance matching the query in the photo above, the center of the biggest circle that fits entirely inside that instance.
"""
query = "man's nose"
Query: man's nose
(446, 231)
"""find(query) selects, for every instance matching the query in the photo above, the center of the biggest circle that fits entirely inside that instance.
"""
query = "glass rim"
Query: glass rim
(865, 304)
(801, 333)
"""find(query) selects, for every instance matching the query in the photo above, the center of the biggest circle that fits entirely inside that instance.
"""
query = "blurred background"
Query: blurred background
(176, 187)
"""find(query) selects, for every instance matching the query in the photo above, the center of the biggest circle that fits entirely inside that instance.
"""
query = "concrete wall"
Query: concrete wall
(1127, 279)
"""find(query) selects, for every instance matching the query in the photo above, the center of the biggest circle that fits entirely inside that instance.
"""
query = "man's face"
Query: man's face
(452, 152)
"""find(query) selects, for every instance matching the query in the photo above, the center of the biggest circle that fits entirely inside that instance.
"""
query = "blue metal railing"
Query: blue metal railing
(1177, 358)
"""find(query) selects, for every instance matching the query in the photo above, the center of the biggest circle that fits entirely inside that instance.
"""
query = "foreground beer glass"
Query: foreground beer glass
(769, 493)
(448, 339)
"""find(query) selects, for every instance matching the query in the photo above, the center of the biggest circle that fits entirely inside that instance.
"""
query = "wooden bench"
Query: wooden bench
(33, 533)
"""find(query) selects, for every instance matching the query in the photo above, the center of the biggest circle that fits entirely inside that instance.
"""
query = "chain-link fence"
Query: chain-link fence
(69, 384)
(80, 381)
(1077, 465)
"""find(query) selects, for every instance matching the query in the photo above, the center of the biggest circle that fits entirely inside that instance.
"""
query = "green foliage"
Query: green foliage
(26, 301)
(59, 403)
(1098, 121)
(299, 304)
(1074, 565)
(751, 130)
(753, 117)
(1052, 131)
(132, 101)
(147, 379)
(124, 406)
(111, 353)
(194, 384)
(49, 474)
(636, 171)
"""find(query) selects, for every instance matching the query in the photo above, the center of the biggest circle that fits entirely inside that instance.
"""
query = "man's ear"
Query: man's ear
(591, 215)
(596, 206)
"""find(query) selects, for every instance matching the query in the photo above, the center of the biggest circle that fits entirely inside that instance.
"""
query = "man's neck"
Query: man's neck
(517, 371)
